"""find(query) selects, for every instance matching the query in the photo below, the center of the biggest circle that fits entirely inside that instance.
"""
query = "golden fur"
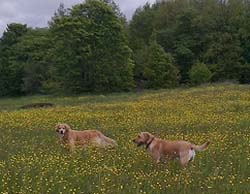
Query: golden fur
(163, 150)
(83, 138)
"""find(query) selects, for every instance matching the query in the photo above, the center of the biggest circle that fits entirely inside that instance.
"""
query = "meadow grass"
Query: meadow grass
(33, 161)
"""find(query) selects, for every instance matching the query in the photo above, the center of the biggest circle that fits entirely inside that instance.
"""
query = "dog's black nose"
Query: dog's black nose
(61, 132)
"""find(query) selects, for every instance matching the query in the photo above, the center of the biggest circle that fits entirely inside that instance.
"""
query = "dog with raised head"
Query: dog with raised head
(162, 150)
(83, 138)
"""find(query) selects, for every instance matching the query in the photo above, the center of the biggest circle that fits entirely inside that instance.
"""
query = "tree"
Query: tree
(11, 71)
(244, 77)
(188, 43)
(141, 26)
(160, 71)
(224, 50)
(242, 25)
(91, 52)
(34, 49)
(213, 32)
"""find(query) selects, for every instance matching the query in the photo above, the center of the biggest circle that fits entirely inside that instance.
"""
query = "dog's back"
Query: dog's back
(91, 137)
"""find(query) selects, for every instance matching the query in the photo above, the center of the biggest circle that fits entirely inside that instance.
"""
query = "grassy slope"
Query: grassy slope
(32, 161)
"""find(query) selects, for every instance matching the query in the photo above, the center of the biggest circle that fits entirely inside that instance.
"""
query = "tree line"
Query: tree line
(92, 48)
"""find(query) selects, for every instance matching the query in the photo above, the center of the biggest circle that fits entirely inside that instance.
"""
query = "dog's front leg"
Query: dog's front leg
(157, 157)
(71, 146)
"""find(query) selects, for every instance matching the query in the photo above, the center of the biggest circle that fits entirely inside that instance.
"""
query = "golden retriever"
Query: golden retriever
(162, 150)
(83, 138)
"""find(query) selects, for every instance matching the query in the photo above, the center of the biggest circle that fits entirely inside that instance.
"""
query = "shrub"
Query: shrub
(199, 74)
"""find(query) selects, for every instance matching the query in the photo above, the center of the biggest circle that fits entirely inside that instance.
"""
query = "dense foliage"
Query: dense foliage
(213, 32)
(91, 48)
(159, 70)
(199, 74)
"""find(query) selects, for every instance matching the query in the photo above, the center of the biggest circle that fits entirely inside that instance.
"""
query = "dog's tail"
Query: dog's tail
(109, 142)
(200, 147)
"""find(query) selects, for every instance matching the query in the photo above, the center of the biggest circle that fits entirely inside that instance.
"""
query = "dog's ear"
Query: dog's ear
(146, 135)
(57, 127)
(67, 127)
(149, 137)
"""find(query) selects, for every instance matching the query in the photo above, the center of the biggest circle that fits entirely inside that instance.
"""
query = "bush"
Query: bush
(199, 74)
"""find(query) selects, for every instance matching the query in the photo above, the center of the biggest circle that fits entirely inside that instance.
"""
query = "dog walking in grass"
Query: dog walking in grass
(83, 138)
(164, 150)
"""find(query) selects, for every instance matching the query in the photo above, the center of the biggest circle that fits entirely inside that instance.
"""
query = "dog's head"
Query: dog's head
(62, 129)
(144, 138)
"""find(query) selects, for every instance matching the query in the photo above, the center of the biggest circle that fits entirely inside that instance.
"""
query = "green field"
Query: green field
(33, 161)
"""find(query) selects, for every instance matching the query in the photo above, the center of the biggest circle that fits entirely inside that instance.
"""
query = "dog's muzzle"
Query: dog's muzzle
(138, 143)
